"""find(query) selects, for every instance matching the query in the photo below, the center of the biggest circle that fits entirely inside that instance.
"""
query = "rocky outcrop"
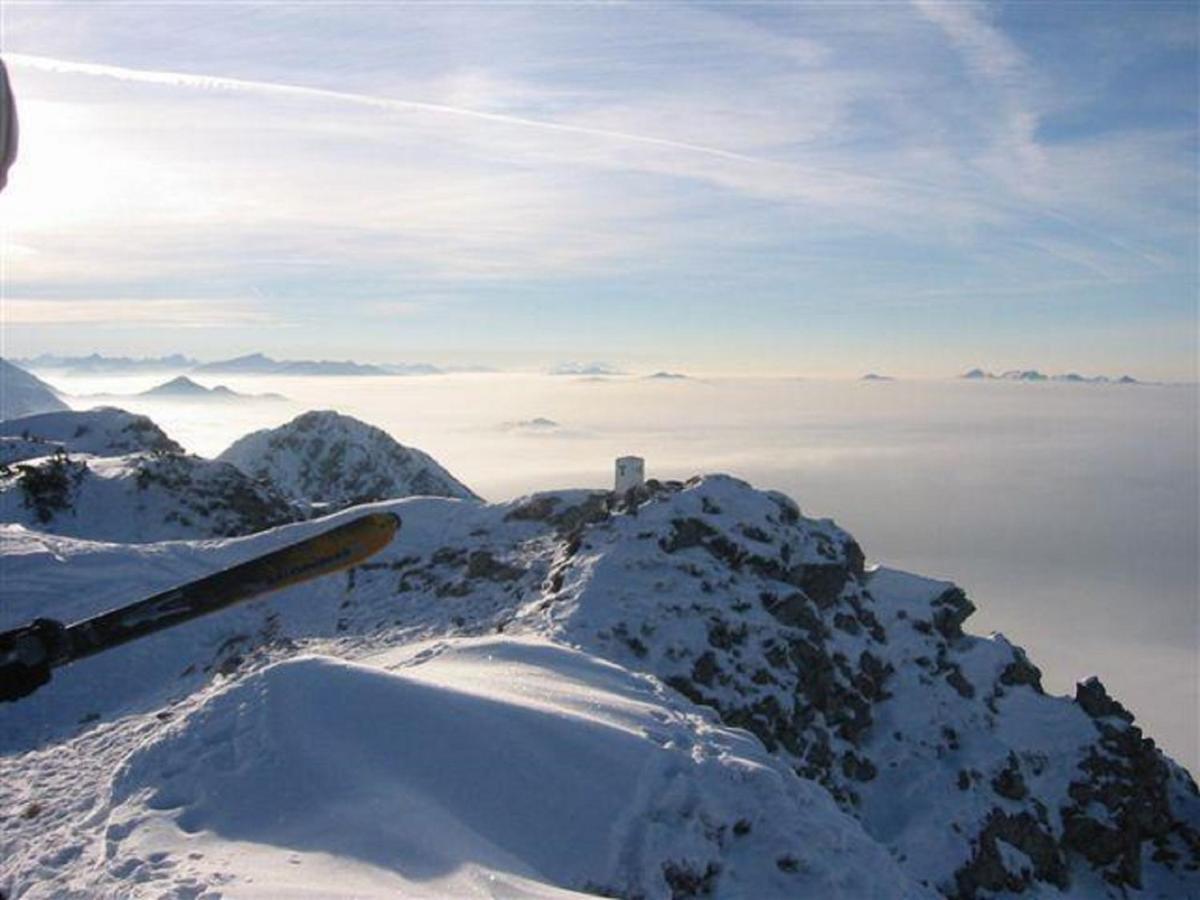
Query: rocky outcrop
(867, 683)
(1122, 809)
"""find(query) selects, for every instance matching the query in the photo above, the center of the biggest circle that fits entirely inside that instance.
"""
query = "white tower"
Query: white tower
(631, 473)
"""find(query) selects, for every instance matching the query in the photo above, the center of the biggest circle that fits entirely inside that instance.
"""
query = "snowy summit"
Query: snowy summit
(326, 458)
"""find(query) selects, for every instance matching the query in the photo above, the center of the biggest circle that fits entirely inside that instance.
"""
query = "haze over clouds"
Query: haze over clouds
(821, 189)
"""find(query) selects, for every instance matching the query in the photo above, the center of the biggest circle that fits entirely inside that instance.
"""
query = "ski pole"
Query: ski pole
(28, 653)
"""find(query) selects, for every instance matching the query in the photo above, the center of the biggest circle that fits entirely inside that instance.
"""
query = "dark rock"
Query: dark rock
(724, 637)
(686, 533)
(687, 688)
(448, 556)
(726, 550)
(822, 583)
(1129, 778)
(858, 768)
(795, 610)
(705, 668)
(686, 881)
(1008, 781)
(1022, 671)
(481, 564)
(539, 509)
(846, 623)
(592, 510)
(985, 871)
(951, 609)
(856, 560)
(1096, 702)
(789, 512)
(754, 533)
(47, 488)
(959, 682)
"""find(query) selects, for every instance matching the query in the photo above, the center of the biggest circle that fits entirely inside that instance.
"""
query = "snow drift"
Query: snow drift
(473, 766)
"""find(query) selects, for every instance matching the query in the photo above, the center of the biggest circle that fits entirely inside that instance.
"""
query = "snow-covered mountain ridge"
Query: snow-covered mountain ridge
(333, 460)
(702, 607)
(104, 431)
(107, 474)
(138, 497)
(23, 394)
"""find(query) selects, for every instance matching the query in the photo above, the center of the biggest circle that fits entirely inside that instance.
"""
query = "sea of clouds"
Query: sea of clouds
(1068, 512)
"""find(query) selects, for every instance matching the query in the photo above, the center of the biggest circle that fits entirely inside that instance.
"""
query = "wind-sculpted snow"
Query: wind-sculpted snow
(728, 656)
(419, 771)
(335, 461)
(105, 431)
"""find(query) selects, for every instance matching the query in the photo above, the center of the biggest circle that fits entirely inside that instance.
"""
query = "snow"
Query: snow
(138, 498)
(512, 700)
(375, 772)
(1015, 862)
(335, 460)
(104, 431)
(22, 394)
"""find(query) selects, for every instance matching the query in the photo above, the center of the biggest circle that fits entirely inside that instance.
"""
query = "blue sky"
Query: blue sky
(814, 189)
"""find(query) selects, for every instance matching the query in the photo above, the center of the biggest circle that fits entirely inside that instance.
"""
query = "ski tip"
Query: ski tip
(383, 525)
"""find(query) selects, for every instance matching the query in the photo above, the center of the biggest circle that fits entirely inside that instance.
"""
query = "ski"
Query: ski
(27, 654)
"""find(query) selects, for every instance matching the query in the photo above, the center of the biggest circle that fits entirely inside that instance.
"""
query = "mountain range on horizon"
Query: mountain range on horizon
(249, 364)
(259, 363)
(1034, 375)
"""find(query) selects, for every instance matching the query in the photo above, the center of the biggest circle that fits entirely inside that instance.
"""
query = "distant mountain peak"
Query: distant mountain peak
(183, 388)
(180, 385)
(664, 375)
(1034, 375)
(595, 368)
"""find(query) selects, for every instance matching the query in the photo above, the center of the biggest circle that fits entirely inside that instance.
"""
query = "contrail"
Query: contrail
(221, 83)
(784, 170)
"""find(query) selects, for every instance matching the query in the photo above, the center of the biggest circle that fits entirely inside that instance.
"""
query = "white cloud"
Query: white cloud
(144, 312)
(580, 144)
